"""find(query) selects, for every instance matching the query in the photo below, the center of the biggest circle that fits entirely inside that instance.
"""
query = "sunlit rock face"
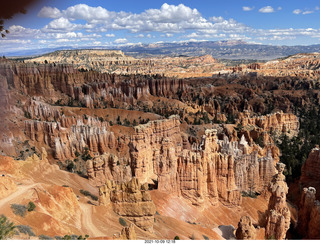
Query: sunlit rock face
(278, 216)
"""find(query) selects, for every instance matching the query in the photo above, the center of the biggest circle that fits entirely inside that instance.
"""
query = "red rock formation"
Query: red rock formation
(212, 170)
(277, 122)
(310, 171)
(66, 141)
(278, 216)
(107, 167)
(309, 215)
(245, 230)
(130, 200)
(127, 233)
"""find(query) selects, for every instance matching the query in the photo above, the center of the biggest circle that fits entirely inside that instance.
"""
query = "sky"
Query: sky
(104, 23)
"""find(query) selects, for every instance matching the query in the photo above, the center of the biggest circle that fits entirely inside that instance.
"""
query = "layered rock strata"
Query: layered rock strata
(277, 122)
(130, 200)
(278, 215)
(107, 167)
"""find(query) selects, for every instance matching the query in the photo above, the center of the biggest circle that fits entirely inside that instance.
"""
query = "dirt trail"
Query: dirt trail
(21, 190)
(87, 221)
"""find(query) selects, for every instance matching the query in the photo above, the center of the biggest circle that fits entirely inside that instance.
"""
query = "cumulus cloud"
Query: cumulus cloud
(20, 32)
(246, 8)
(85, 12)
(266, 9)
(121, 41)
(61, 24)
(297, 11)
(49, 12)
(110, 35)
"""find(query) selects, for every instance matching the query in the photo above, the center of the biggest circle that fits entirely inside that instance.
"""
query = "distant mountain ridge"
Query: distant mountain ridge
(218, 49)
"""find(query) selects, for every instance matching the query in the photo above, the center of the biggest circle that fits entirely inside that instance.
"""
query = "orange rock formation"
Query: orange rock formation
(245, 230)
(278, 216)
(309, 214)
(130, 200)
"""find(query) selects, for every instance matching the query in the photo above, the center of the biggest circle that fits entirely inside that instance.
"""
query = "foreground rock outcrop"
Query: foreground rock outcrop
(278, 215)
(310, 171)
(309, 214)
(130, 200)
(246, 230)
(127, 233)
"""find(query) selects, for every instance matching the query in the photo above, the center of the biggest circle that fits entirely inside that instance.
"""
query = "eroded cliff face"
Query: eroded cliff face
(67, 135)
(277, 122)
(214, 170)
(107, 167)
(309, 214)
(310, 171)
(278, 215)
(130, 200)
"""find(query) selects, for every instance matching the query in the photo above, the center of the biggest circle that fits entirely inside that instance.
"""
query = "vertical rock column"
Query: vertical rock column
(246, 230)
(278, 216)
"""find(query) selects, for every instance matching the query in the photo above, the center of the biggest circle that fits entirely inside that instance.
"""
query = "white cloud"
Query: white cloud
(297, 11)
(110, 35)
(266, 9)
(169, 35)
(246, 8)
(49, 12)
(61, 24)
(308, 12)
(121, 41)
(279, 8)
(85, 12)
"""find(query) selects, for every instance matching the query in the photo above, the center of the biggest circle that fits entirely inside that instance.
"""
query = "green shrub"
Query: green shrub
(44, 237)
(31, 206)
(71, 166)
(25, 229)
(88, 194)
(19, 209)
(205, 237)
(6, 228)
(122, 222)
(72, 237)
(176, 238)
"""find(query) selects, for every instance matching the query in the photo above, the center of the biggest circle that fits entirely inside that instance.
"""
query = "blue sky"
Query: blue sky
(55, 23)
